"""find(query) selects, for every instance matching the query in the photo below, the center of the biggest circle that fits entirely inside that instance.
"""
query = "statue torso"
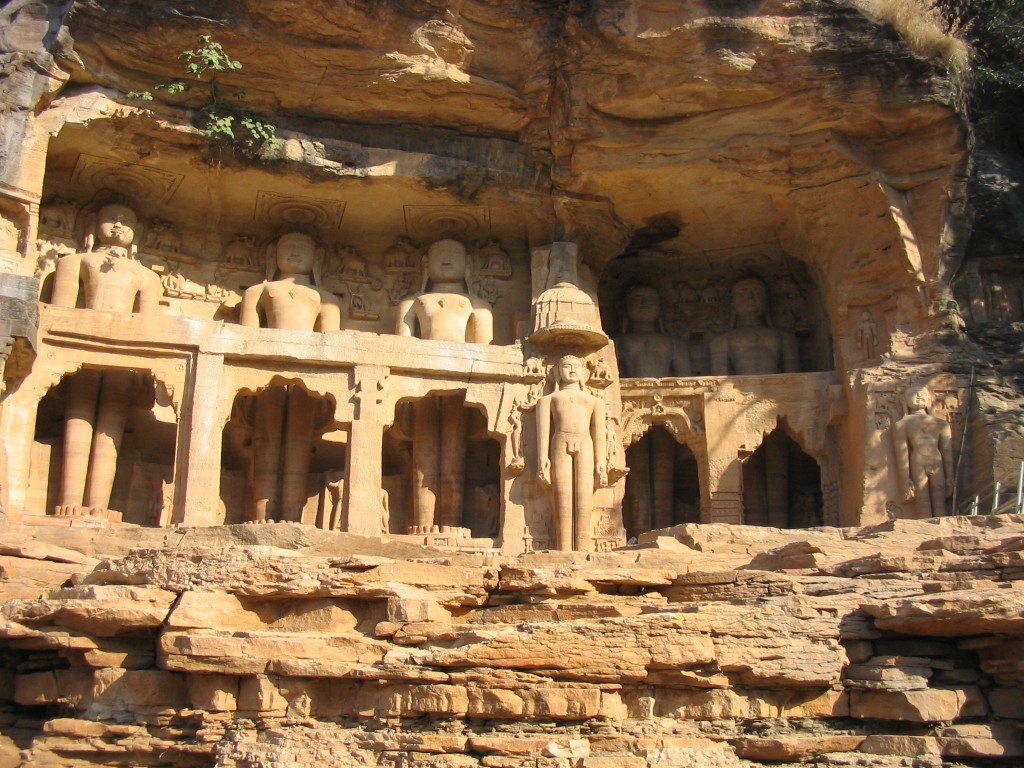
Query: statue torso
(923, 432)
(291, 306)
(571, 411)
(646, 355)
(112, 282)
(754, 350)
(443, 316)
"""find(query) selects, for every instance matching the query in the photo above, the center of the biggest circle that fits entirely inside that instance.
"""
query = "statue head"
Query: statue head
(116, 225)
(295, 253)
(750, 301)
(446, 262)
(570, 370)
(917, 398)
(643, 304)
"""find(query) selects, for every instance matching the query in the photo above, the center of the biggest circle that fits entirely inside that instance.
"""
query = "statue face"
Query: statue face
(570, 370)
(750, 298)
(296, 254)
(115, 225)
(917, 399)
(446, 261)
(643, 305)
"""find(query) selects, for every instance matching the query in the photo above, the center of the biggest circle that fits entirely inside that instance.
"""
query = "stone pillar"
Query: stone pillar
(19, 326)
(365, 446)
(200, 434)
(725, 470)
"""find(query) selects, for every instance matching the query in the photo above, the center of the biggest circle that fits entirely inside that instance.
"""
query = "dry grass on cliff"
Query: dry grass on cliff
(923, 28)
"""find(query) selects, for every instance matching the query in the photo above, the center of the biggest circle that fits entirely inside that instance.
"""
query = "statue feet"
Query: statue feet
(76, 510)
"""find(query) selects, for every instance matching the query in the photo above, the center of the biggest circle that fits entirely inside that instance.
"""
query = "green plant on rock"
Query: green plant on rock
(222, 119)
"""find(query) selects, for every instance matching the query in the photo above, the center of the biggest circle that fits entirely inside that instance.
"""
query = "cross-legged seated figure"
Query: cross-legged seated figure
(646, 351)
(753, 347)
(104, 277)
(444, 310)
(291, 297)
(284, 420)
(924, 456)
(571, 453)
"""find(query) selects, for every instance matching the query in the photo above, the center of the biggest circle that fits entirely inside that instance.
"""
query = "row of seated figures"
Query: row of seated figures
(446, 466)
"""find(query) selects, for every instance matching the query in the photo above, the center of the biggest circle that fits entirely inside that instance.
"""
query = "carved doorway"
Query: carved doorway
(663, 485)
(782, 484)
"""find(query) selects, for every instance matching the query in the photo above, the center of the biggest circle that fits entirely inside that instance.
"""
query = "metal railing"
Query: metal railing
(1004, 498)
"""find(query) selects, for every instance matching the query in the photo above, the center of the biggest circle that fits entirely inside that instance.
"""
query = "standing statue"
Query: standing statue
(444, 310)
(292, 296)
(106, 275)
(752, 346)
(645, 350)
(924, 455)
(284, 420)
(571, 452)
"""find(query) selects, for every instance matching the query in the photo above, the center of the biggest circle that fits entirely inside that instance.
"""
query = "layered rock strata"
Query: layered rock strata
(898, 644)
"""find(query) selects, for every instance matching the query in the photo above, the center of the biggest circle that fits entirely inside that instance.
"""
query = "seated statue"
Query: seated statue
(106, 275)
(444, 310)
(291, 297)
(752, 346)
(645, 350)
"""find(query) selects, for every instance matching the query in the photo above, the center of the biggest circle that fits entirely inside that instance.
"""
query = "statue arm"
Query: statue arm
(946, 451)
(544, 440)
(790, 355)
(680, 358)
(598, 433)
(249, 314)
(480, 329)
(149, 294)
(66, 281)
(902, 450)
(330, 312)
(406, 325)
(720, 355)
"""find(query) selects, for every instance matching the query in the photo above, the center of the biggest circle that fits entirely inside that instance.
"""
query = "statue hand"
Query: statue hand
(544, 471)
(909, 493)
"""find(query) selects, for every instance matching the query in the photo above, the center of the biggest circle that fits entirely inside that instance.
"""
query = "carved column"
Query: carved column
(365, 445)
(19, 325)
(200, 435)
(725, 470)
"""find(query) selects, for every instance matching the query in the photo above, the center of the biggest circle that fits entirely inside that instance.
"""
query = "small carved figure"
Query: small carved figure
(444, 310)
(401, 258)
(645, 349)
(106, 275)
(10, 235)
(867, 336)
(163, 236)
(924, 455)
(58, 216)
(494, 262)
(571, 452)
(752, 346)
(295, 300)
(242, 252)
